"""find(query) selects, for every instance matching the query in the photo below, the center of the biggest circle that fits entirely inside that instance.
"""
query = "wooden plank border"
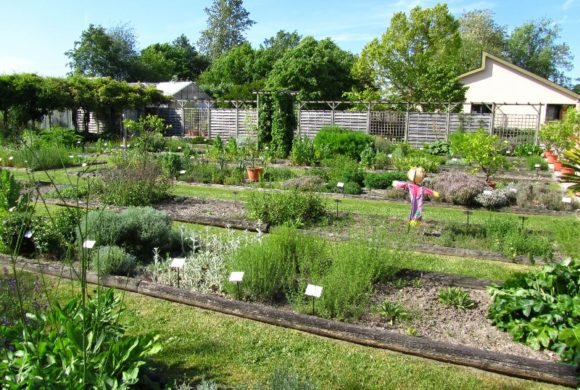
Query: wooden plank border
(501, 363)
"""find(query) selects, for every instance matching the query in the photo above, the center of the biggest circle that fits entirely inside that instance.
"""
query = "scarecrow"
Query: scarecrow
(416, 193)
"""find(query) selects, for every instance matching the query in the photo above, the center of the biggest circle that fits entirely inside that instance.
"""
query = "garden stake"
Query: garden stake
(236, 198)
(337, 202)
(468, 213)
(177, 277)
(523, 218)
(238, 284)
(312, 305)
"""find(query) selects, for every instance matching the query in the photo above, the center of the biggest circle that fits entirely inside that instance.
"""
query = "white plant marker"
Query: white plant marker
(313, 291)
(89, 244)
(237, 277)
(177, 263)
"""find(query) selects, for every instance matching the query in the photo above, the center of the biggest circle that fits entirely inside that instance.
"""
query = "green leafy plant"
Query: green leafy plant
(112, 260)
(383, 180)
(9, 190)
(302, 152)
(438, 148)
(57, 351)
(481, 149)
(331, 141)
(526, 150)
(147, 133)
(292, 207)
(542, 309)
(456, 297)
(393, 312)
(559, 134)
(532, 161)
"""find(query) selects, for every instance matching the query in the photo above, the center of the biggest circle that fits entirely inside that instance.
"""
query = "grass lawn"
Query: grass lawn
(235, 352)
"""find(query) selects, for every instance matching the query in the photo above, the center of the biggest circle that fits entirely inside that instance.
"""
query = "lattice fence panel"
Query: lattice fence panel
(516, 128)
(223, 123)
(173, 118)
(388, 124)
(196, 122)
(469, 122)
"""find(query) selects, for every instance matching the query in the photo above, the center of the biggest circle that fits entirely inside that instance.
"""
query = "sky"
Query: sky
(35, 34)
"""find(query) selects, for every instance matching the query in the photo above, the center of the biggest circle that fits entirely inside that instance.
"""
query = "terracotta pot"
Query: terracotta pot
(547, 153)
(491, 184)
(558, 166)
(566, 171)
(551, 159)
(254, 173)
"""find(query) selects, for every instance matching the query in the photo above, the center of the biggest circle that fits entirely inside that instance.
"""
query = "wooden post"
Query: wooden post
(537, 132)
(492, 122)
(208, 119)
(407, 123)
(448, 122)
(369, 118)
(237, 121)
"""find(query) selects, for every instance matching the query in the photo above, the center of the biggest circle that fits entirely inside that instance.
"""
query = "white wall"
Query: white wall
(501, 84)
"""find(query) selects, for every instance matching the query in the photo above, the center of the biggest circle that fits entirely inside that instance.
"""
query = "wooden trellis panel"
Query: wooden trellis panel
(426, 127)
(312, 120)
(223, 123)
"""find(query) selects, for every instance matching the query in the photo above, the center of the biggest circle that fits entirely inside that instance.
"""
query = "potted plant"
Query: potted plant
(252, 157)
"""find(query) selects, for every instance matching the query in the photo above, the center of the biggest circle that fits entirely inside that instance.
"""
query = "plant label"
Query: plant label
(566, 199)
(313, 291)
(177, 262)
(340, 185)
(182, 172)
(487, 192)
(236, 277)
(89, 244)
(537, 165)
(28, 234)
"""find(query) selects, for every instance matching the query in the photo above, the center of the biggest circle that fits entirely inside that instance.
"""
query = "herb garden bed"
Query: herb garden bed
(508, 364)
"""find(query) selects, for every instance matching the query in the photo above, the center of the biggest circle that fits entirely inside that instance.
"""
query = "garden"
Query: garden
(492, 269)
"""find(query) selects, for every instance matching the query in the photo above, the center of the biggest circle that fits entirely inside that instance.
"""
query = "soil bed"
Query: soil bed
(437, 321)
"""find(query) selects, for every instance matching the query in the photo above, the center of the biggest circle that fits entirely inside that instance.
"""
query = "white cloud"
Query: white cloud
(567, 4)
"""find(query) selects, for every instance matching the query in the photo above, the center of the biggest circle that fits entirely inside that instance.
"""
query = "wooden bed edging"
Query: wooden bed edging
(501, 363)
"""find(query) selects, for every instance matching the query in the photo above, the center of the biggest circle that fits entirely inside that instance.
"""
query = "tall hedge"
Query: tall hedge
(265, 120)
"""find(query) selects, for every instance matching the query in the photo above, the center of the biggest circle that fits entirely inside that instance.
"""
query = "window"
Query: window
(554, 112)
(480, 109)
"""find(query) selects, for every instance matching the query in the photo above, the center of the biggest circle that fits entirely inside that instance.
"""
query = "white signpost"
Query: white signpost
(340, 187)
(177, 263)
(89, 244)
(566, 199)
(314, 292)
(237, 277)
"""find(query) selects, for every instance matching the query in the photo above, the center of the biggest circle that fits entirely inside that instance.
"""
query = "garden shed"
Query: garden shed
(505, 90)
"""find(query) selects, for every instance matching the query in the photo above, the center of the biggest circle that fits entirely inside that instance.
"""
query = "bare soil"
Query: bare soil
(437, 321)
(185, 208)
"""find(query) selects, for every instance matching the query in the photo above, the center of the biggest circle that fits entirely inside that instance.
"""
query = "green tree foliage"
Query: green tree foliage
(265, 120)
(233, 75)
(226, 22)
(534, 46)
(417, 58)
(558, 135)
(481, 149)
(316, 69)
(104, 53)
(479, 32)
(165, 61)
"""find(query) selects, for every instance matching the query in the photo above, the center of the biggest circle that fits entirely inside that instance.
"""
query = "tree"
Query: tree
(533, 46)
(226, 22)
(481, 149)
(165, 61)
(318, 70)
(274, 48)
(416, 59)
(102, 53)
(479, 33)
(233, 75)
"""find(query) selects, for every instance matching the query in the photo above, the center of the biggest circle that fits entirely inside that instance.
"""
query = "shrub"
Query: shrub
(293, 207)
(9, 190)
(480, 148)
(138, 230)
(273, 266)
(60, 136)
(364, 265)
(525, 150)
(541, 196)
(305, 183)
(456, 297)
(171, 164)
(495, 199)
(383, 180)
(531, 162)
(339, 141)
(383, 145)
(69, 192)
(137, 184)
(201, 173)
(352, 188)
(277, 174)
(13, 226)
(438, 148)
(302, 152)
(541, 309)
(367, 157)
(381, 161)
(459, 187)
(283, 124)
(559, 134)
(147, 133)
(235, 176)
(46, 156)
(343, 169)
(112, 260)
